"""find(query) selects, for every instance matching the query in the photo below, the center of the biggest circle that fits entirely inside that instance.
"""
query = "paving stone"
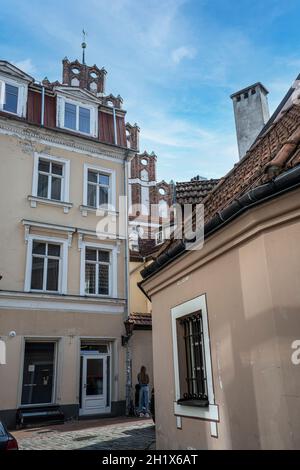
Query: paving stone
(124, 435)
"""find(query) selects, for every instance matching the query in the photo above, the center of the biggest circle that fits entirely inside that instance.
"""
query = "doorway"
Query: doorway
(95, 377)
(38, 373)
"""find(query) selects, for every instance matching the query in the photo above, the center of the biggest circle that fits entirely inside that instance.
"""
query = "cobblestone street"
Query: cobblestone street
(105, 434)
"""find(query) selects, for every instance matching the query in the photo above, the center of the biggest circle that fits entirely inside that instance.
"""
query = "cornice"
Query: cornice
(59, 139)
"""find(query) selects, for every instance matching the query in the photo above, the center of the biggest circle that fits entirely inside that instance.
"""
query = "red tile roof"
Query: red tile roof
(274, 153)
(141, 319)
(254, 168)
(193, 192)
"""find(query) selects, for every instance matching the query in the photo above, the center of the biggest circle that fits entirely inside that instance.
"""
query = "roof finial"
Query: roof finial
(83, 45)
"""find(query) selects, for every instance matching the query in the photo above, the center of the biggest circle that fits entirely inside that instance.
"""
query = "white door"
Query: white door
(94, 384)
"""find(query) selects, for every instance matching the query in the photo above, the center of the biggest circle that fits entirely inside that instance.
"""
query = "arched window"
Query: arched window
(74, 82)
(163, 209)
(144, 175)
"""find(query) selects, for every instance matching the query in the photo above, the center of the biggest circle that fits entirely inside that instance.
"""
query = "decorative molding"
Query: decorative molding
(47, 136)
(61, 228)
(34, 200)
(46, 302)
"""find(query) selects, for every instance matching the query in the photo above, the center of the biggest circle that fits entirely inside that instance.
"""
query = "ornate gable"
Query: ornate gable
(14, 72)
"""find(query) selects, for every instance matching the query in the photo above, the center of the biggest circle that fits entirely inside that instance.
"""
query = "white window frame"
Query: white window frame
(112, 185)
(60, 117)
(113, 269)
(210, 412)
(65, 191)
(63, 266)
(159, 237)
(22, 95)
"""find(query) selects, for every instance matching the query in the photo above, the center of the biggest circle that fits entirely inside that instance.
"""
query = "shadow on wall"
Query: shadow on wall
(265, 418)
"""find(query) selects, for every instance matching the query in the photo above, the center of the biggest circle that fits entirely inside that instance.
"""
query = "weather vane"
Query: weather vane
(83, 45)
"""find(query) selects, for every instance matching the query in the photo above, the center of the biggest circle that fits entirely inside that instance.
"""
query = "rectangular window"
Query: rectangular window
(194, 393)
(77, 118)
(38, 373)
(70, 116)
(192, 370)
(159, 237)
(45, 270)
(98, 189)
(50, 179)
(84, 120)
(11, 98)
(97, 270)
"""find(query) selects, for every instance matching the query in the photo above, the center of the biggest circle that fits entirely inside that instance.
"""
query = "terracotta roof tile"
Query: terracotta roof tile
(141, 319)
(251, 170)
(194, 192)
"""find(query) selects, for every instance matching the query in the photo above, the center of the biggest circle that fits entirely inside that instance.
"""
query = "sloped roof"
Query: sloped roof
(272, 165)
(141, 319)
(251, 170)
(194, 192)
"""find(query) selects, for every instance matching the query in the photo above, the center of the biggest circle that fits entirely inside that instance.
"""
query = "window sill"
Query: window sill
(97, 296)
(75, 131)
(197, 403)
(85, 209)
(34, 200)
(209, 413)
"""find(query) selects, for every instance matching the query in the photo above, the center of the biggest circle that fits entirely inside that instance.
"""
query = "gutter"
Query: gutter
(283, 183)
(43, 106)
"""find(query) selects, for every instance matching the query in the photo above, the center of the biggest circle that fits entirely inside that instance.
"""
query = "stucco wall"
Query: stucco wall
(17, 158)
(68, 328)
(250, 274)
(141, 344)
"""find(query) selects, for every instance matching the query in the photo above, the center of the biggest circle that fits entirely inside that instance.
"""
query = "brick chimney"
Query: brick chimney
(251, 112)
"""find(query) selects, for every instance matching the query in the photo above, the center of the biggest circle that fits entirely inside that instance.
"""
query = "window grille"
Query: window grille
(196, 379)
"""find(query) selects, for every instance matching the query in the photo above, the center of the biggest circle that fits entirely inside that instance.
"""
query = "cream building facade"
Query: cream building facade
(64, 150)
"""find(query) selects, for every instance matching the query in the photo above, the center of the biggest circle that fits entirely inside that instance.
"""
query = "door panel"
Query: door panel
(94, 384)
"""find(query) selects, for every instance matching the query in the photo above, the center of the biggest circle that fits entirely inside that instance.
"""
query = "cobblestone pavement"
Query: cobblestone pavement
(109, 434)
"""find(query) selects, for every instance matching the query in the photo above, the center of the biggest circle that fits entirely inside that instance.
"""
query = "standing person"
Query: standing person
(143, 380)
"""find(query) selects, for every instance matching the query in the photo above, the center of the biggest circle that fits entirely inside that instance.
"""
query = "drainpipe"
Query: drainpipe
(115, 126)
(127, 286)
(43, 106)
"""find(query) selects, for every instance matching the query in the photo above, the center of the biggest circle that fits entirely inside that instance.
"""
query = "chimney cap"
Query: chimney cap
(244, 90)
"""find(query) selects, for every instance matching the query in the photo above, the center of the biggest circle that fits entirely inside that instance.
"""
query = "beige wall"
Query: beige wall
(138, 301)
(141, 341)
(28, 314)
(142, 355)
(68, 328)
(17, 157)
(250, 274)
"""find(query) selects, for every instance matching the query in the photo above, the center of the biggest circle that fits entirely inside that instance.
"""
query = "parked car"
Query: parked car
(7, 440)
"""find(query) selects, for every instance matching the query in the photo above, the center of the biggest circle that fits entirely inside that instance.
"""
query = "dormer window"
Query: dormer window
(13, 97)
(77, 116)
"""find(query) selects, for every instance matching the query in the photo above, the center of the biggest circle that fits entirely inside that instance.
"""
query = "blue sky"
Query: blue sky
(174, 62)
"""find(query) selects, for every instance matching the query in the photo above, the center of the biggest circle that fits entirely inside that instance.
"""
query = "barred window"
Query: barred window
(192, 370)
(97, 268)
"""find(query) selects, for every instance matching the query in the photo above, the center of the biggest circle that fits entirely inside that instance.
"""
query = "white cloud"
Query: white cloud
(183, 52)
(26, 66)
